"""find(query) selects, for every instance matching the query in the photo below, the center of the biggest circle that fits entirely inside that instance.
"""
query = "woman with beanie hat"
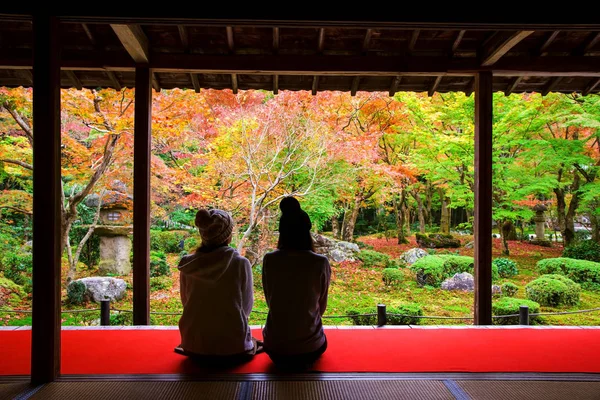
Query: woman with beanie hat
(295, 282)
(216, 292)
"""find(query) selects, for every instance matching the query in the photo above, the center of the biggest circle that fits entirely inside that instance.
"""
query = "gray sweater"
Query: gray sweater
(295, 285)
(216, 292)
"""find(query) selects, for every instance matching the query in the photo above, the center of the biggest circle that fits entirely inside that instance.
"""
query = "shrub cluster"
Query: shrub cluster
(553, 290)
(506, 267)
(581, 271)
(510, 306)
(372, 259)
(509, 289)
(407, 313)
(432, 270)
(585, 250)
(158, 264)
(392, 276)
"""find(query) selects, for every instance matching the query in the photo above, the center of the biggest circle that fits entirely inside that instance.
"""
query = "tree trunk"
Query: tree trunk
(335, 227)
(428, 201)
(445, 217)
(400, 218)
(566, 219)
(406, 212)
(595, 228)
(421, 214)
(350, 220)
(507, 229)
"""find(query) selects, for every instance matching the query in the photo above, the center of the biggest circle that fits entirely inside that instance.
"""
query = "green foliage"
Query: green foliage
(76, 292)
(584, 250)
(158, 264)
(191, 243)
(363, 245)
(167, 241)
(510, 306)
(407, 313)
(506, 268)
(17, 267)
(160, 283)
(553, 290)
(183, 216)
(372, 258)
(509, 289)
(437, 241)
(11, 292)
(578, 270)
(121, 318)
(392, 276)
(433, 270)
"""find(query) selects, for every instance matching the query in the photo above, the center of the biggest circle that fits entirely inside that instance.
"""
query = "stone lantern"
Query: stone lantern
(540, 222)
(114, 229)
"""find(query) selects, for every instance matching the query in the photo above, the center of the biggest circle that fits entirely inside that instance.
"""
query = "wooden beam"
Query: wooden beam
(276, 40)
(195, 82)
(434, 86)
(500, 46)
(457, 41)
(134, 40)
(552, 83)
(367, 40)
(483, 198)
(114, 80)
(470, 87)
(45, 333)
(230, 43)
(141, 196)
(394, 85)
(27, 75)
(234, 83)
(74, 79)
(155, 82)
(354, 87)
(591, 86)
(315, 85)
(88, 33)
(321, 41)
(275, 84)
(591, 41)
(413, 40)
(549, 39)
(183, 35)
(513, 85)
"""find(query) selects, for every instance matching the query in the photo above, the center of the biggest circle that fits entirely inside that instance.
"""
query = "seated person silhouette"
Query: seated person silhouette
(217, 296)
(295, 281)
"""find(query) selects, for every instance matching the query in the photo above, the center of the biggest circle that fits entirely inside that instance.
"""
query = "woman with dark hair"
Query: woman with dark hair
(295, 282)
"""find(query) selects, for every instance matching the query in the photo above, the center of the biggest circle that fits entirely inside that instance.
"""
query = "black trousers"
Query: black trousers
(297, 361)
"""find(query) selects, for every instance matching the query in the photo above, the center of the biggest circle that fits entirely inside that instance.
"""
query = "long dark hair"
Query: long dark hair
(294, 227)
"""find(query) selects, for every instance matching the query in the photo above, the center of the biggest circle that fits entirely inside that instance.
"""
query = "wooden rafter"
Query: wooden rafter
(26, 73)
(230, 43)
(394, 85)
(367, 40)
(321, 41)
(134, 40)
(183, 35)
(588, 43)
(354, 87)
(88, 33)
(74, 79)
(470, 87)
(591, 86)
(552, 83)
(434, 86)
(457, 41)
(195, 82)
(500, 45)
(315, 85)
(413, 40)
(114, 80)
(275, 84)
(513, 85)
(234, 83)
(275, 40)
(549, 39)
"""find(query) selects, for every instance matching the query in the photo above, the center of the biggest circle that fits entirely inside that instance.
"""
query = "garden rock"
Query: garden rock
(463, 281)
(101, 288)
(335, 250)
(470, 245)
(412, 255)
(437, 241)
(496, 290)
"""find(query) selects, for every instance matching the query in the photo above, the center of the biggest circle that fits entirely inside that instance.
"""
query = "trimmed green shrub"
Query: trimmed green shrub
(167, 241)
(509, 289)
(437, 240)
(76, 292)
(553, 290)
(578, 270)
(591, 286)
(506, 268)
(584, 250)
(407, 313)
(392, 276)
(121, 318)
(191, 244)
(17, 267)
(510, 306)
(158, 264)
(432, 270)
(372, 258)
(160, 283)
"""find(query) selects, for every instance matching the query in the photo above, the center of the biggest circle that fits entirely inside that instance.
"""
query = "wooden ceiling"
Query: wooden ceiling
(307, 55)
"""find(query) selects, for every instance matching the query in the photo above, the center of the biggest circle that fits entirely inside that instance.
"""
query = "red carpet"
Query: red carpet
(368, 350)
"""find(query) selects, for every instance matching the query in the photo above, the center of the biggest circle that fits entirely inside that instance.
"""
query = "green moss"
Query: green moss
(578, 270)
(372, 259)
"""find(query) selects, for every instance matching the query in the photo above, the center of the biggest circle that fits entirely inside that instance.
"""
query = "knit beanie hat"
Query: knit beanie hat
(293, 218)
(215, 226)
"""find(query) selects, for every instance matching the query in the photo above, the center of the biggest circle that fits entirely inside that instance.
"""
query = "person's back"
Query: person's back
(295, 283)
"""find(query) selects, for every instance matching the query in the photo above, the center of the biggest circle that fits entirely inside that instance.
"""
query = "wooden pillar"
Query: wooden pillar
(45, 335)
(483, 198)
(141, 196)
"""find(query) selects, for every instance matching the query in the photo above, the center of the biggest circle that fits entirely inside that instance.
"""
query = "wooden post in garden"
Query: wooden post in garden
(141, 196)
(483, 198)
(45, 330)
